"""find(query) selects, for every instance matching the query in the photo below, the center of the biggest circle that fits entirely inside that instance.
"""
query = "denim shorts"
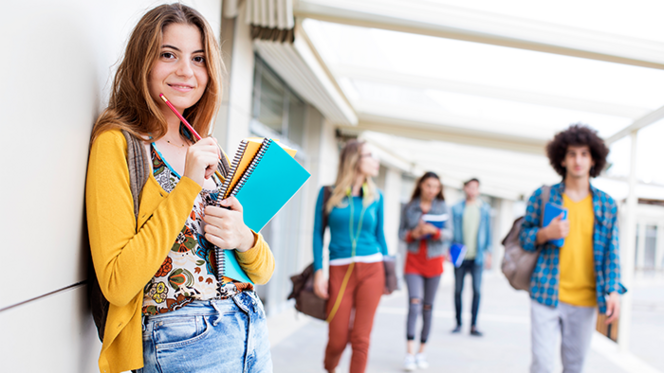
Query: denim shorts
(226, 335)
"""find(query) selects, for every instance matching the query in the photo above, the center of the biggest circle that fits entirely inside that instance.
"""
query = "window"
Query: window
(277, 111)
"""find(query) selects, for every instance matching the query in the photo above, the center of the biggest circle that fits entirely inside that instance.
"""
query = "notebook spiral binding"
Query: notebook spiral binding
(219, 253)
(219, 257)
(261, 152)
(223, 193)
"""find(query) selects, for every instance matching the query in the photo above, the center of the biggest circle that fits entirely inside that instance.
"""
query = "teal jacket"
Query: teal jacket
(483, 233)
(371, 238)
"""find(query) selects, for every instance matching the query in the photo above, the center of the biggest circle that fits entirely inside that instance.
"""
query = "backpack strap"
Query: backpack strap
(223, 167)
(546, 193)
(139, 167)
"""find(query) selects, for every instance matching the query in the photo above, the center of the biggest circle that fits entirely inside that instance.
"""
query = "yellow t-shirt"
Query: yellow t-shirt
(577, 270)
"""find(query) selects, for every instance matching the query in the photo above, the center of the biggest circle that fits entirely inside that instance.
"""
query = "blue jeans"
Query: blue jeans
(220, 336)
(459, 275)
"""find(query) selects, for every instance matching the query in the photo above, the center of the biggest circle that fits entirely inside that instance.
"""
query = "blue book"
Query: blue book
(552, 211)
(457, 253)
(436, 220)
(268, 183)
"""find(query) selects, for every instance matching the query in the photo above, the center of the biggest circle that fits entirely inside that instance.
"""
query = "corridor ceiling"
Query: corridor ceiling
(479, 86)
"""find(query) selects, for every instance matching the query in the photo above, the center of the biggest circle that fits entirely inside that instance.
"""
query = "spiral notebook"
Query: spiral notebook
(264, 176)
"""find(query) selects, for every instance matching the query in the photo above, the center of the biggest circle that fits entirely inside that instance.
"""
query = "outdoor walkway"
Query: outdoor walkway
(298, 342)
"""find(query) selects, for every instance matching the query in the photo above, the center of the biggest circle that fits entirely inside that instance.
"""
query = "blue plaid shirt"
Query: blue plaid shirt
(606, 258)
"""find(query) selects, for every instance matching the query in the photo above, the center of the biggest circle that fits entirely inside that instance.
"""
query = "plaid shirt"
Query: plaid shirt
(544, 282)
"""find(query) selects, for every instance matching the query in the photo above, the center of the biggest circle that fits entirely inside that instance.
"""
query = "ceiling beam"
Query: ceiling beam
(428, 131)
(644, 121)
(426, 18)
(424, 82)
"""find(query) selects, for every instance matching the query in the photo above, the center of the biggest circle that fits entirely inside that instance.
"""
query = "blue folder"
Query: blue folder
(457, 253)
(273, 181)
(552, 211)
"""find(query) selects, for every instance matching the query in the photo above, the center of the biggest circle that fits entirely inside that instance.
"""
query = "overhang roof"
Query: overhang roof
(477, 87)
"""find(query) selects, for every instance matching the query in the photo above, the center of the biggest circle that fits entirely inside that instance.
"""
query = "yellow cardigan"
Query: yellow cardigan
(126, 255)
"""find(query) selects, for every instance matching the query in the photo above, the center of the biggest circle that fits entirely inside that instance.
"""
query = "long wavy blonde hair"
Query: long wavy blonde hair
(349, 168)
(131, 107)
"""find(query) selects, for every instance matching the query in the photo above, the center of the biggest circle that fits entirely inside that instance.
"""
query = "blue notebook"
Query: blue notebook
(437, 220)
(552, 211)
(457, 253)
(267, 184)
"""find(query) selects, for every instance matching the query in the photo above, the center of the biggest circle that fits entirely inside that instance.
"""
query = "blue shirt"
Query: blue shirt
(483, 233)
(371, 238)
(606, 258)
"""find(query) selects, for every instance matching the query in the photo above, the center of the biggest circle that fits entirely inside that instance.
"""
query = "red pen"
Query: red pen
(193, 131)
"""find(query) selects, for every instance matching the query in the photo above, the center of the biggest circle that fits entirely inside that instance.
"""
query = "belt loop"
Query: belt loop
(216, 308)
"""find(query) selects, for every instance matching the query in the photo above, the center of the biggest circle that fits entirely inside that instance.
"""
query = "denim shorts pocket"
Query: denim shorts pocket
(177, 332)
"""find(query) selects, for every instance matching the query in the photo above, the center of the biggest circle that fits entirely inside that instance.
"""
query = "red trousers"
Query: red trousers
(363, 291)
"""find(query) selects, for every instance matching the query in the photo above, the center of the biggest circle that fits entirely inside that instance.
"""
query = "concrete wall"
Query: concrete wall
(235, 113)
(56, 69)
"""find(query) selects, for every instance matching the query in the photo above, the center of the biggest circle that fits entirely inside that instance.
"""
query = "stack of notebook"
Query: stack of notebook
(263, 176)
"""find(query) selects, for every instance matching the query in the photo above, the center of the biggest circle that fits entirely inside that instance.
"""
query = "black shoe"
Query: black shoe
(457, 329)
(475, 332)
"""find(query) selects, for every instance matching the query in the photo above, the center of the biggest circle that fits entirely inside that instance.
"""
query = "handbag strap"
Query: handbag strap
(327, 193)
(354, 236)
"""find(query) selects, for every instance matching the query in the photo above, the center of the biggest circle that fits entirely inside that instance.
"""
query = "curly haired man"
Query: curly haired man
(571, 281)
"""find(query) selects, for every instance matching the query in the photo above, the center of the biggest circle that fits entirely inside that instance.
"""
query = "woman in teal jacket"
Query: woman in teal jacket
(355, 216)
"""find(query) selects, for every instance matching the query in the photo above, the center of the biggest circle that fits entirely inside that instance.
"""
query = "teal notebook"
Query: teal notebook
(268, 183)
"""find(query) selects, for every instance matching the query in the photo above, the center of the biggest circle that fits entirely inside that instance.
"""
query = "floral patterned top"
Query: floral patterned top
(189, 271)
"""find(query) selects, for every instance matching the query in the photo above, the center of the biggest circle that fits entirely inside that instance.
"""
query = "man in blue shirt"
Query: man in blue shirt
(472, 228)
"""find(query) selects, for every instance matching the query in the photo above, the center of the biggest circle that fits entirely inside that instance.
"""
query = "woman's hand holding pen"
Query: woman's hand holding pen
(225, 228)
(202, 159)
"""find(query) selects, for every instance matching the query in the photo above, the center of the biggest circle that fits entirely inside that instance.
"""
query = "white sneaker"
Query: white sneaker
(409, 363)
(421, 361)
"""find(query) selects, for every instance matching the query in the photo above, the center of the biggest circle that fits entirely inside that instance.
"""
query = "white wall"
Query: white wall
(56, 69)
(235, 114)
(392, 208)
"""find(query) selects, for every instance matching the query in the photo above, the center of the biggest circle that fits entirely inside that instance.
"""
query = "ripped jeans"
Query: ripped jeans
(226, 335)
(421, 294)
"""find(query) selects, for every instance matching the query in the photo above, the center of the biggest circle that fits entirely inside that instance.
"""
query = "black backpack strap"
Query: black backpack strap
(139, 167)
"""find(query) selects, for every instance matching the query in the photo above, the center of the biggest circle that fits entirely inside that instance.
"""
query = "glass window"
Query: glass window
(276, 107)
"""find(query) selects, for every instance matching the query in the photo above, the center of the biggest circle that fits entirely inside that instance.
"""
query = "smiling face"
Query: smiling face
(578, 161)
(180, 72)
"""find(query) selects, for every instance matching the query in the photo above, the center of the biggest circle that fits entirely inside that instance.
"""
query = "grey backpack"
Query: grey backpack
(518, 264)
